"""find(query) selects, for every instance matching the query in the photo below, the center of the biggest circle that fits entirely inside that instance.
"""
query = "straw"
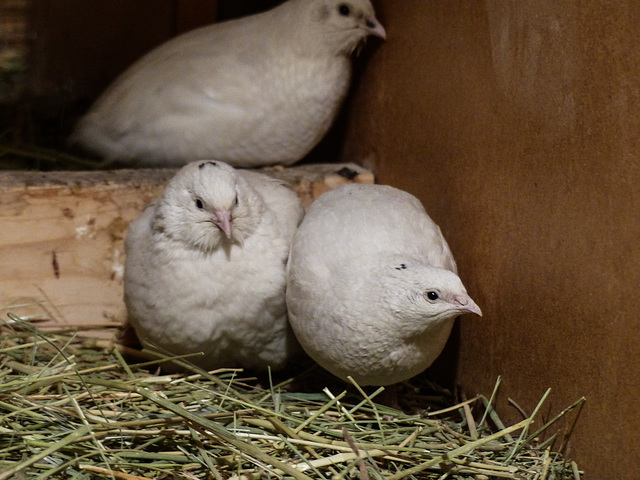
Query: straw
(71, 407)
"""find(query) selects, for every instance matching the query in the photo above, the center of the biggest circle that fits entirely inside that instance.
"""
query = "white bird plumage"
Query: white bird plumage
(372, 288)
(205, 267)
(258, 90)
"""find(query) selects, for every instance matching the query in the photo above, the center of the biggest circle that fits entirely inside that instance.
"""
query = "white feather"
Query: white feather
(190, 289)
(259, 90)
(362, 265)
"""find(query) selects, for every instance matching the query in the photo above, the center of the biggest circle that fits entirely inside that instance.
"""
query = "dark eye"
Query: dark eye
(432, 296)
(199, 204)
(344, 10)
(236, 199)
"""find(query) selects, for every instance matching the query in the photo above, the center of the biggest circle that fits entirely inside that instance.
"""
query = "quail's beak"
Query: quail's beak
(373, 27)
(222, 220)
(467, 305)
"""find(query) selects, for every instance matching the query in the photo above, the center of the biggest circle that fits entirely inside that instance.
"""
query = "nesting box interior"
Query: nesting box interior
(515, 124)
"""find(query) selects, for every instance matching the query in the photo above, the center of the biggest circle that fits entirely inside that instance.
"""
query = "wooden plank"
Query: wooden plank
(62, 236)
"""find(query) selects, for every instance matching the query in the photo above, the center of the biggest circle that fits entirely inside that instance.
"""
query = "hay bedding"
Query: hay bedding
(72, 407)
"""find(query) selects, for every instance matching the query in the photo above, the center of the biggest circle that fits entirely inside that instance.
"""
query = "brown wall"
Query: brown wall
(518, 126)
(79, 46)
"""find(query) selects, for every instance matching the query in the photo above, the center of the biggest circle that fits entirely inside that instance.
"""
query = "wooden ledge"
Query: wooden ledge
(62, 235)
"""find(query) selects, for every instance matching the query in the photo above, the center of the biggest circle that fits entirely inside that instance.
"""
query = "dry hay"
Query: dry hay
(72, 407)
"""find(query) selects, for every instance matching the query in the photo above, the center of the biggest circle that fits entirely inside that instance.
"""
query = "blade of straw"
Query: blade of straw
(72, 437)
(459, 451)
(214, 427)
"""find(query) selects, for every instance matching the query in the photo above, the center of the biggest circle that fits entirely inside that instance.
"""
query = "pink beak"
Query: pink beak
(223, 221)
(374, 27)
(467, 305)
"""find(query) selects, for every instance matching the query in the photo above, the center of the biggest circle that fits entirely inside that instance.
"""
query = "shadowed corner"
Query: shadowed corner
(444, 369)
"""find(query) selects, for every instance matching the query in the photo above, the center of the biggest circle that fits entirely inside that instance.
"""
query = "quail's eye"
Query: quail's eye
(199, 204)
(432, 295)
(236, 199)
(344, 10)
